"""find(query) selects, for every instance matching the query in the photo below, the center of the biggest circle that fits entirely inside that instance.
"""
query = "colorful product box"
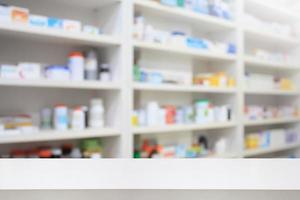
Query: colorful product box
(38, 20)
(71, 25)
(19, 15)
(55, 23)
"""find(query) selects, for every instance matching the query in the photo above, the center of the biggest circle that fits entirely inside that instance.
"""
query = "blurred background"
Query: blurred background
(149, 79)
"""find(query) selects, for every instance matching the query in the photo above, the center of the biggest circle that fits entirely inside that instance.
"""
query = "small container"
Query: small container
(61, 118)
(76, 65)
(58, 73)
(93, 30)
(30, 71)
(46, 118)
(78, 119)
(56, 153)
(76, 153)
(96, 114)
(105, 73)
(91, 66)
(5, 14)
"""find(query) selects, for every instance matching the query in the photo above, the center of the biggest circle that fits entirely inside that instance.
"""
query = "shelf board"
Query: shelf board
(254, 34)
(179, 88)
(179, 128)
(56, 36)
(90, 4)
(89, 85)
(196, 53)
(263, 151)
(207, 22)
(251, 61)
(271, 121)
(53, 135)
(271, 92)
(271, 11)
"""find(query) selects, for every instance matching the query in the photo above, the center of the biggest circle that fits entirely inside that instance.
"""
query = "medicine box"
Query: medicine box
(71, 25)
(55, 23)
(9, 71)
(38, 20)
(5, 14)
(30, 70)
(91, 30)
(19, 15)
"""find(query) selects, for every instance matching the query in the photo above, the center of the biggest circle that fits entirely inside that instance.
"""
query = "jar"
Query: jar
(76, 65)
(78, 118)
(60, 117)
(96, 114)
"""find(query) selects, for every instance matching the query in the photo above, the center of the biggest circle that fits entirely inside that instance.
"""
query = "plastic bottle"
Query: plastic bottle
(76, 65)
(96, 114)
(60, 117)
(104, 75)
(91, 66)
(78, 119)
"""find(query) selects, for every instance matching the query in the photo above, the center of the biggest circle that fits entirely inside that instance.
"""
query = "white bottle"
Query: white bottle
(76, 65)
(91, 66)
(78, 119)
(96, 114)
(153, 114)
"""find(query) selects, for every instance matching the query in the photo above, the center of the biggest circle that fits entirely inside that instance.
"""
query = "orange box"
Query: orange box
(20, 15)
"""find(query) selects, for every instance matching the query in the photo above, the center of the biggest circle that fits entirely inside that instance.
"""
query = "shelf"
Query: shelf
(257, 152)
(271, 121)
(90, 4)
(89, 85)
(251, 61)
(196, 53)
(209, 23)
(179, 128)
(271, 11)
(178, 88)
(56, 36)
(58, 136)
(254, 34)
(271, 92)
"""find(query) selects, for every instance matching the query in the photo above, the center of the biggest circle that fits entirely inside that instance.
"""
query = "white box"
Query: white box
(9, 71)
(71, 25)
(30, 71)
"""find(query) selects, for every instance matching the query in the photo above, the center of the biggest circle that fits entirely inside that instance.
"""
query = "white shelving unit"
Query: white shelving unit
(118, 48)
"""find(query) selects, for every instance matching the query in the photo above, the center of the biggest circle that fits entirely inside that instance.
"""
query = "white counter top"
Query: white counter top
(205, 174)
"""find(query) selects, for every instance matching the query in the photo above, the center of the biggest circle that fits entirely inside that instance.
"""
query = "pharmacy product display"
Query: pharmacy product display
(147, 33)
(22, 16)
(163, 76)
(88, 148)
(270, 82)
(217, 8)
(81, 66)
(275, 57)
(150, 148)
(274, 138)
(59, 118)
(201, 112)
(258, 112)
(272, 27)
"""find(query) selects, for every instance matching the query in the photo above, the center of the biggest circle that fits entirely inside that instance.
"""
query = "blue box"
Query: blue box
(55, 23)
